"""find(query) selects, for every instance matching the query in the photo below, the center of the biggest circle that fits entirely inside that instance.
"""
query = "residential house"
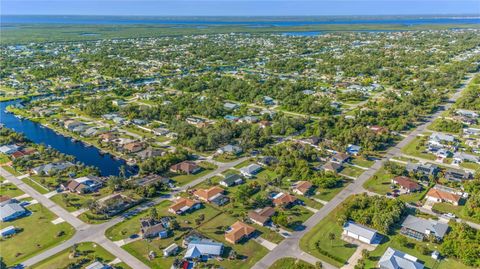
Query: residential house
(160, 131)
(108, 137)
(340, 158)
(439, 139)
(437, 195)
(203, 249)
(302, 187)
(238, 231)
(267, 160)
(231, 118)
(427, 169)
(72, 124)
(213, 195)
(467, 113)
(114, 204)
(471, 131)
(458, 175)
(170, 250)
(284, 199)
(332, 167)
(83, 184)
(151, 179)
(231, 180)
(229, 149)
(11, 211)
(9, 149)
(98, 265)
(150, 153)
(353, 149)
(251, 170)
(261, 216)
(407, 184)
(182, 205)
(133, 147)
(230, 106)
(186, 167)
(395, 259)
(361, 233)
(419, 229)
(48, 169)
(269, 101)
(460, 157)
(150, 228)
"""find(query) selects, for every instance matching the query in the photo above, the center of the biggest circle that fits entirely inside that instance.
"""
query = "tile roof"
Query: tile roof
(238, 230)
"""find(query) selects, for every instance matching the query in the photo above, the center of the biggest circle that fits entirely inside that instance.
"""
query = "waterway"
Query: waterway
(88, 155)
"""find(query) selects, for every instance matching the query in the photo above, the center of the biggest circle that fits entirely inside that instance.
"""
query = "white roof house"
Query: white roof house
(251, 170)
(8, 149)
(360, 232)
(206, 248)
(97, 265)
(394, 259)
(170, 250)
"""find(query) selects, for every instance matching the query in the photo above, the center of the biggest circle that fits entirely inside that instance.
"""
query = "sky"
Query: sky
(238, 7)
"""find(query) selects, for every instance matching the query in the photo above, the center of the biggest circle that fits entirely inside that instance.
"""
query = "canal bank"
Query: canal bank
(107, 164)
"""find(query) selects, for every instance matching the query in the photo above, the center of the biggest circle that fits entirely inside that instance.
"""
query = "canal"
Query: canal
(37, 133)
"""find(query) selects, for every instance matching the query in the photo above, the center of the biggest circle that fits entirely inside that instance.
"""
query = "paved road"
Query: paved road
(96, 232)
(290, 246)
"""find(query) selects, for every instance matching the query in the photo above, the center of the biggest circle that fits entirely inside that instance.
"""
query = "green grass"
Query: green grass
(291, 263)
(10, 190)
(11, 170)
(244, 163)
(360, 161)
(89, 251)
(4, 158)
(352, 171)
(416, 148)
(470, 165)
(185, 179)
(35, 185)
(337, 247)
(380, 182)
(328, 194)
(250, 249)
(128, 227)
(38, 235)
(141, 248)
(393, 242)
(76, 201)
(459, 211)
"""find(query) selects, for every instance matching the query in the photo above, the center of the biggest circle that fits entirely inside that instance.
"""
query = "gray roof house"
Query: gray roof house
(203, 249)
(251, 170)
(360, 232)
(98, 265)
(11, 211)
(231, 149)
(48, 168)
(419, 228)
(425, 169)
(394, 259)
(232, 180)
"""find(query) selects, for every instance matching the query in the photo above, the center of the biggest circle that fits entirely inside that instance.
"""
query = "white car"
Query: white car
(449, 215)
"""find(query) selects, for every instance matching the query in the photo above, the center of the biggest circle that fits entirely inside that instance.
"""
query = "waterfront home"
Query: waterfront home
(182, 205)
(149, 180)
(203, 249)
(11, 211)
(419, 229)
(72, 124)
(186, 167)
(108, 137)
(395, 259)
(360, 232)
(231, 180)
(48, 169)
(302, 187)
(83, 184)
(150, 152)
(407, 184)
(133, 147)
(251, 170)
(261, 216)
(9, 149)
(238, 231)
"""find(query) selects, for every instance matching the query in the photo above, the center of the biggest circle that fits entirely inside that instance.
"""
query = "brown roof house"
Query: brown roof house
(186, 167)
(150, 228)
(332, 167)
(84, 184)
(212, 195)
(284, 199)
(183, 205)
(406, 184)
(439, 196)
(133, 147)
(261, 216)
(238, 231)
(302, 187)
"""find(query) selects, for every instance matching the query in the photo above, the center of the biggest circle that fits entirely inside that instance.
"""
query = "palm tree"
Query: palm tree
(332, 237)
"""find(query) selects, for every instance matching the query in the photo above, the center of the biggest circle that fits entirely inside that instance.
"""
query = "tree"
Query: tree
(154, 213)
(332, 237)
(2, 264)
(319, 265)
(365, 254)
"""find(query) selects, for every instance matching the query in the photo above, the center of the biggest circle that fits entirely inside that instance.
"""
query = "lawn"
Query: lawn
(337, 248)
(328, 194)
(11, 170)
(291, 263)
(141, 248)
(181, 180)
(251, 250)
(88, 252)
(244, 163)
(394, 242)
(459, 211)
(470, 165)
(352, 171)
(10, 190)
(70, 201)
(360, 161)
(416, 148)
(38, 234)
(35, 185)
(380, 182)
(4, 158)
(131, 226)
